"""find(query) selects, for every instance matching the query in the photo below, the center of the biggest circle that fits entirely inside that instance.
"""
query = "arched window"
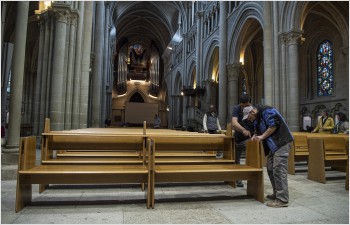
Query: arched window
(325, 65)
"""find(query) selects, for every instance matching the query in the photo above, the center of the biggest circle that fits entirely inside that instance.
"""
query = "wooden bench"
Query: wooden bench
(327, 151)
(299, 152)
(252, 171)
(29, 173)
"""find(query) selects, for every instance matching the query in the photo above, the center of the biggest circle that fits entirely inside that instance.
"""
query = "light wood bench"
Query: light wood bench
(299, 152)
(29, 173)
(168, 173)
(327, 151)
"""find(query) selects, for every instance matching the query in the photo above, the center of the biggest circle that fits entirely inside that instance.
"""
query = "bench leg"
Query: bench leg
(143, 186)
(255, 187)
(231, 183)
(291, 162)
(316, 167)
(23, 194)
(43, 187)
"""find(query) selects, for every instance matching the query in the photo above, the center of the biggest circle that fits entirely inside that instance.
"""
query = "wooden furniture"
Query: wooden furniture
(252, 171)
(299, 152)
(327, 151)
(29, 173)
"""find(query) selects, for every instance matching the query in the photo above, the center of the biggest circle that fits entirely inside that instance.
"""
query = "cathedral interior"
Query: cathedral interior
(79, 63)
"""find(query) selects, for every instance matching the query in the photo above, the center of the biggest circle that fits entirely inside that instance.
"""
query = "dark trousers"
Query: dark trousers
(239, 149)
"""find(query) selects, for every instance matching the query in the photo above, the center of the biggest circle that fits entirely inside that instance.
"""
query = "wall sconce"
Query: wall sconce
(167, 108)
(182, 93)
(302, 40)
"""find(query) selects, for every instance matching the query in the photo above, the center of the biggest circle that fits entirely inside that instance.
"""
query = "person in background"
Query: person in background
(108, 122)
(157, 122)
(342, 127)
(325, 123)
(237, 118)
(241, 139)
(277, 140)
(211, 124)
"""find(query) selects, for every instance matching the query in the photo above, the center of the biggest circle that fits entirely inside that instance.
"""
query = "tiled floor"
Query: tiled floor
(206, 203)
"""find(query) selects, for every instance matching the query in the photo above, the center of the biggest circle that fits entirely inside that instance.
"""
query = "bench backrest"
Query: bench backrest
(192, 143)
(300, 143)
(93, 142)
(334, 145)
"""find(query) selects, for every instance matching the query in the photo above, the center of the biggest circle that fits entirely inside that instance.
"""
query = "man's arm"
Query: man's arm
(265, 135)
(205, 122)
(238, 128)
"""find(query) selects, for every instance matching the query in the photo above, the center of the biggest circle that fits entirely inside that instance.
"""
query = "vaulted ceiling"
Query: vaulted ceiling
(146, 21)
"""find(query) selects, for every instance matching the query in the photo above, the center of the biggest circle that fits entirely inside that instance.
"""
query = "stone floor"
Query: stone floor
(205, 203)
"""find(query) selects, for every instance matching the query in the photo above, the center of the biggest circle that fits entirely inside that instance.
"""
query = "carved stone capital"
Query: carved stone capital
(293, 36)
(60, 15)
(233, 71)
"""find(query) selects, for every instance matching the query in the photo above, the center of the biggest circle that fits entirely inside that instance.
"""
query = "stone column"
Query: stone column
(46, 70)
(105, 64)
(77, 70)
(276, 64)
(293, 81)
(71, 62)
(283, 83)
(39, 76)
(268, 72)
(199, 69)
(96, 92)
(57, 101)
(233, 72)
(185, 111)
(17, 77)
(85, 65)
(222, 64)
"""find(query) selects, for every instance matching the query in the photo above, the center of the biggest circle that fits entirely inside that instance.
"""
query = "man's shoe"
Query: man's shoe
(271, 197)
(239, 183)
(219, 155)
(277, 203)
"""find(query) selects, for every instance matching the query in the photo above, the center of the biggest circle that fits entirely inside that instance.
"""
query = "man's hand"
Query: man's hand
(246, 133)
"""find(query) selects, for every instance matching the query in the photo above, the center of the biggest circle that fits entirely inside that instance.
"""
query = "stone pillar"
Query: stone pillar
(199, 69)
(277, 63)
(17, 77)
(222, 64)
(105, 65)
(85, 65)
(293, 81)
(233, 72)
(283, 83)
(39, 76)
(96, 92)
(185, 111)
(57, 101)
(77, 70)
(268, 72)
(69, 83)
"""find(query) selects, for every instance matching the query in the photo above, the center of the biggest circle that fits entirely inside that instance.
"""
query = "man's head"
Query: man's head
(253, 113)
(211, 108)
(244, 100)
(324, 112)
(246, 112)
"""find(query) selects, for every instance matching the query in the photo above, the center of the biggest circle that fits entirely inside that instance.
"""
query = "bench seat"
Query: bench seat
(86, 160)
(191, 173)
(98, 154)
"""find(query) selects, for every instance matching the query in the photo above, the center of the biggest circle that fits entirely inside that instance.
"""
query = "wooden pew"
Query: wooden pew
(29, 173)
(252, 171)
(327, 151)
(299, 152)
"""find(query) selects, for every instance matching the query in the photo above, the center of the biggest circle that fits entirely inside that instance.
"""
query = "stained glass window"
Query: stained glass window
(325, 76)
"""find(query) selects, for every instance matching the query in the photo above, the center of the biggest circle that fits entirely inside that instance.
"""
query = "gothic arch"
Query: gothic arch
(189, 79)
(139, 92)
(177, 84)
(208, 56)
(251, 11)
